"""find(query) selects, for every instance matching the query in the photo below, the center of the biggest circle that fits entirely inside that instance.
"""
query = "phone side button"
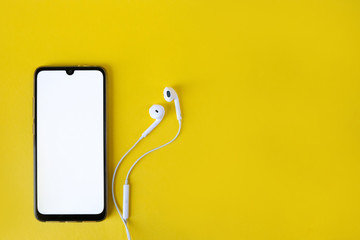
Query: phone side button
(33, 108)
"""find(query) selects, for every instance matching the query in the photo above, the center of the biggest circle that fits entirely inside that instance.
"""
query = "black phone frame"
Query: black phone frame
(69, 217)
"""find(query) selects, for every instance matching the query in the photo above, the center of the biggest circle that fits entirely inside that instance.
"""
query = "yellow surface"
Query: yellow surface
(269, 90)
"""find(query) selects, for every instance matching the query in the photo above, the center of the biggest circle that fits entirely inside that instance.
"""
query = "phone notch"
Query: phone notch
(70, 71)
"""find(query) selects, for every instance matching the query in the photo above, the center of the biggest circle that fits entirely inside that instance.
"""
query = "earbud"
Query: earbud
(169, 95)
(157, 112)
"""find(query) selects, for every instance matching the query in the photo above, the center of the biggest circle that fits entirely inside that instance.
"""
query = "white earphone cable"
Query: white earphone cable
(152, 150)
(112, 187)
(128, 174)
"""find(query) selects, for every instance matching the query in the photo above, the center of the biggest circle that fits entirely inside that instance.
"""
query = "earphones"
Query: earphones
(156, 112)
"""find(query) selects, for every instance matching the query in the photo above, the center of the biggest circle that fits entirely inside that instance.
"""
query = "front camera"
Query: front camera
(70, 71)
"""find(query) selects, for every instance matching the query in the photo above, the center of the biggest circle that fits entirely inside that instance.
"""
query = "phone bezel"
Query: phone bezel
(68, 217)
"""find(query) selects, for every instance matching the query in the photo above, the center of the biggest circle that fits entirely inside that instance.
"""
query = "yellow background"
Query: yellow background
(271, 112)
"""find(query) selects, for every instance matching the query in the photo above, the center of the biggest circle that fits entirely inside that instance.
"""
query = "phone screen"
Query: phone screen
(70, 141)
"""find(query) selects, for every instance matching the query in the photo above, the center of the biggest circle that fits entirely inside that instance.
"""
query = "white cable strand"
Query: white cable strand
(152, 150)
(112, 187)
(128, 174)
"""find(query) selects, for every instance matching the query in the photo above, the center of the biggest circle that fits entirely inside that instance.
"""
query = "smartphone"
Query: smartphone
(69, 113)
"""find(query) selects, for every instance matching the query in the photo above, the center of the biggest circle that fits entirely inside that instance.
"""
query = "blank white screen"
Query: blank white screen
(70, 142)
